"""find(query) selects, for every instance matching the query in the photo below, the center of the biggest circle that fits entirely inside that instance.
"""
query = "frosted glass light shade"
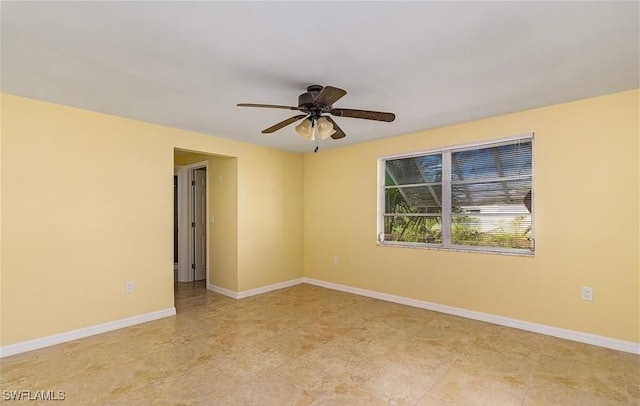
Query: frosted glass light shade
(305, 129)
(325, 128)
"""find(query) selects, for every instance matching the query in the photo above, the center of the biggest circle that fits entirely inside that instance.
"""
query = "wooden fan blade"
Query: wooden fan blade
(268, 106)
(329, 95)
(367, 115)
(284, 123)
(339, 133)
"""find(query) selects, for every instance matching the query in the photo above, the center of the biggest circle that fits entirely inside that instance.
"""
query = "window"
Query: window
(476, 197)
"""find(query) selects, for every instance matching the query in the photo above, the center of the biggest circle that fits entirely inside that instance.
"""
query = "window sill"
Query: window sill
(515, 253)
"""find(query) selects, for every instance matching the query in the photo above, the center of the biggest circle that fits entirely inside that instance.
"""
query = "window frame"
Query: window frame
(446, 152)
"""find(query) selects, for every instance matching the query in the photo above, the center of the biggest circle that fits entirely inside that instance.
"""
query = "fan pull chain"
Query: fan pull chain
(315, 135)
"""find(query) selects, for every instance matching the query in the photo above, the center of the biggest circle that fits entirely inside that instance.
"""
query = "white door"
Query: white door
(200, 223)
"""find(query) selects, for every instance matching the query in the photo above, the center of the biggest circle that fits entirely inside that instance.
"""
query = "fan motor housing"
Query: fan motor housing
(306, 99)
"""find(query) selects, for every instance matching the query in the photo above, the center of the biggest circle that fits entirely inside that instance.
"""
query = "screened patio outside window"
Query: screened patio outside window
(477, 197)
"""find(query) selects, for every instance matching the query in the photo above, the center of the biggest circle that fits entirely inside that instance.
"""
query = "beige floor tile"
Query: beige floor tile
(307, 345)
(342, 395)
(471, 386)
(400, 383)
(428, 400)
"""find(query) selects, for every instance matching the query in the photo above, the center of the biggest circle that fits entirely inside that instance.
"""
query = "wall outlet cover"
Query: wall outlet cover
(129, 286)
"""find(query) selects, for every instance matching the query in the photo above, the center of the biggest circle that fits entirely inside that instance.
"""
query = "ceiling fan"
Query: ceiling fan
(317, 104)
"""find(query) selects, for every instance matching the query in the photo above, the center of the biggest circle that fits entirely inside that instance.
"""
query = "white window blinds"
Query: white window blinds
(475, 197)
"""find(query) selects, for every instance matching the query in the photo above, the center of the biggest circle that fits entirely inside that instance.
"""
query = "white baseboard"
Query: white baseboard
(30, 345)
(225, 292)
(572, 335)
(253, 292)
(601, 341)
(269, 288)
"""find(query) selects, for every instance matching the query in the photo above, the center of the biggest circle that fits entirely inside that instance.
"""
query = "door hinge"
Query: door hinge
(193, 183)
(193, 224)
(193, 266)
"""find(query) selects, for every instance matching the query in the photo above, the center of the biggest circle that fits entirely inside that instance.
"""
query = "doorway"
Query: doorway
(219, 258)
(191, 236)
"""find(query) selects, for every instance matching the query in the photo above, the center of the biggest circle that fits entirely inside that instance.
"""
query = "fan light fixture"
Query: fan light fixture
(324, 128)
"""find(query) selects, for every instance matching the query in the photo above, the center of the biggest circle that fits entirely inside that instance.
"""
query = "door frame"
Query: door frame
(185, 209)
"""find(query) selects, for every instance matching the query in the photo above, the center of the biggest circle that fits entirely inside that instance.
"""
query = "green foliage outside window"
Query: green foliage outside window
(511, 232)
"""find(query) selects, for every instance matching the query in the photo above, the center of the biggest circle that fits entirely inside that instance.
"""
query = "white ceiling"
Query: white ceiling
(187, 64)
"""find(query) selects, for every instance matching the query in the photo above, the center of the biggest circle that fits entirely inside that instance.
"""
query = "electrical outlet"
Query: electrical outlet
(587, 293)
(336, 260)
(129, 286)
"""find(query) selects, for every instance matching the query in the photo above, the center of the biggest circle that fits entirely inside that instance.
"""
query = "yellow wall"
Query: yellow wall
(268, 199)
(223, 233)
(87, 204)
(586, 198)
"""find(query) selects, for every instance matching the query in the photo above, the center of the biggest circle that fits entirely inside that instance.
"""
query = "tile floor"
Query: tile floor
(307, 345)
